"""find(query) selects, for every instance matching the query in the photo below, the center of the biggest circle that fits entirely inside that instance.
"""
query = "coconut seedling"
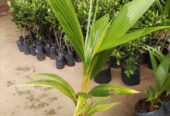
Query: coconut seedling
(95, 49)
(152, 104)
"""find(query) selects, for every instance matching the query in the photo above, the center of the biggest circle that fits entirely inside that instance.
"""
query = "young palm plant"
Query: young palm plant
(161, 66)
(95, 49)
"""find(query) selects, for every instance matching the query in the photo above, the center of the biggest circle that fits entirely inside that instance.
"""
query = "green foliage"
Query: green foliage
(73, 30)
(29, 16)
(85, 102)
(102, 36)
(133, 51)
(167, 8)
(106, 90)
(119, 54)
(131, 66)
(89, 106)
(35, 18)
(161, 72)
(120, 25)
(56, 82)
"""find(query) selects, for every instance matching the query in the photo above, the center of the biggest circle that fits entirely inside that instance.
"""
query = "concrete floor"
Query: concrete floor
(17, 68)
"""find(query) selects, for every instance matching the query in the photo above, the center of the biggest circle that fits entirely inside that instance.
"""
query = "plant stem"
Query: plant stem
(85, 82)
(84, 88)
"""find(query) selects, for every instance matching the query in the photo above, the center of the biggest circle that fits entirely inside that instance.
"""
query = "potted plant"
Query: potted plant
(54, 30)
(40, 54)
(26, 43)
(60, 62)
(130, 72)
(165, 96)
(13, 7)
(48, 41)
(117, 57)
(19, 43)
(53, 53)
(104, 76)
(69, 58)
(151, 106)
(47, 50)
(32, 46)
(130, 66)
(32, 49)
(101, 37)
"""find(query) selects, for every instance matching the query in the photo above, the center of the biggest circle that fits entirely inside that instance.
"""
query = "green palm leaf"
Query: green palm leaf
(168, 83)
(106, 90)
(126, 18)
(158, 3)
(96, 36)
(100, 50)
(67, 17)
(90, 106)
(99, 62)
(134, 35)
(155, 54)
(57, 83)
(167, 8)
(162, 71)
(153, 61)
(97, 33)
(95, 51)
(101, 107)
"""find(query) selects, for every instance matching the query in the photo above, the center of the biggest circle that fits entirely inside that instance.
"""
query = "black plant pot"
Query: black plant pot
(47, 50)
(60, 61)
(166, 106)
(159, 112)
(113, 63)
(133, 79)
(76, 57)
(143, 58)
(104, 76)
(26, 48)
(69, 59)
(32, 50)
(40, 53)
(165, 51)
(20, 45)
(53, 52)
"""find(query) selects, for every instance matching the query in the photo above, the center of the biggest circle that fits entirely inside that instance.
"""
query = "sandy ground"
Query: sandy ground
(2, 1)
(17, 68)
